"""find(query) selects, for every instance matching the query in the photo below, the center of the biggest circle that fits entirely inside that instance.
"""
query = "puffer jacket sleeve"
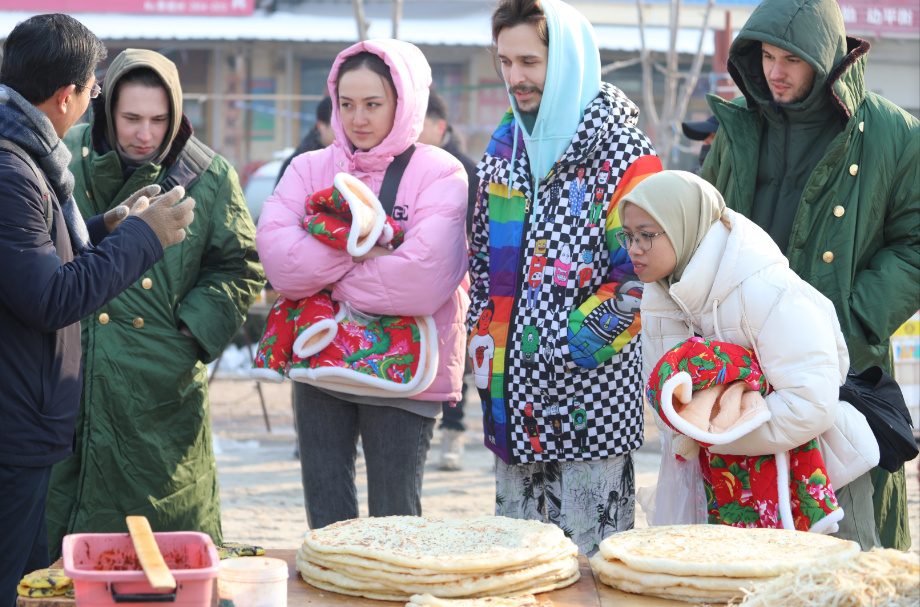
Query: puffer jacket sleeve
(229, 275)
(298, 265)
(479, 257)
(420, 275)
(801, 351)
(887, 291)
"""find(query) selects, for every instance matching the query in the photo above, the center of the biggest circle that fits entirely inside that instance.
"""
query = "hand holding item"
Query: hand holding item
(376, 251)
(135, 203)
(168, 222)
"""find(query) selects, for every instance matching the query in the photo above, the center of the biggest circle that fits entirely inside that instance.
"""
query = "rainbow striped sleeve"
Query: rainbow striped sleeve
(640, 168)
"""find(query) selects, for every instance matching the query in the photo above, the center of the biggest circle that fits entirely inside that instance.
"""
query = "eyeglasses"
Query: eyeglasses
(93, 92)
(643, 239)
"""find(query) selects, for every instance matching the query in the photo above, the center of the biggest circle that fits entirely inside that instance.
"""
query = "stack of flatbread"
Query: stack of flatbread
(392, 558)
(709, 563)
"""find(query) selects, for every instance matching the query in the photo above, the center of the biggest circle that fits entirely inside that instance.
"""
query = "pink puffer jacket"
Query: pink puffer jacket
(424, 274)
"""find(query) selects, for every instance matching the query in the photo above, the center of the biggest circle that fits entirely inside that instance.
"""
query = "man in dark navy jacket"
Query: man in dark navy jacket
(55, 269)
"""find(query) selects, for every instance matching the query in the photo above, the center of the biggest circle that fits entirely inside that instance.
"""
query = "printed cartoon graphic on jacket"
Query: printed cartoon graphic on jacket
(532, 428)
(555, 420)
(580, 426)
(612, 317)
(580, 263)
(597, 206)
(585, 269)
(562, 265)
(536, 273)
(603, 174)
(577, 193)
(531, 345)
(482, 353)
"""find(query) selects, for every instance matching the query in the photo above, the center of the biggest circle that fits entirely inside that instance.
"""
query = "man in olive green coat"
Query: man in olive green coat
(831, 172)
(143, 437)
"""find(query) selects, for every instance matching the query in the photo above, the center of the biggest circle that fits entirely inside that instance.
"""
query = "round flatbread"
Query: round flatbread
(402, 597)
(456, 545)
(472, 585)
(376, 569)
(722, 551)
(616, 570)
(689, 595)
(426, 600)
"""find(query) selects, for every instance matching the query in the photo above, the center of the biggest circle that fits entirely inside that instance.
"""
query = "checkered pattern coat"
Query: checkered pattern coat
(554, 299)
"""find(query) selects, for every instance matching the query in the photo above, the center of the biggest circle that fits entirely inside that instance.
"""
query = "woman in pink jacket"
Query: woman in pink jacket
(380, 94)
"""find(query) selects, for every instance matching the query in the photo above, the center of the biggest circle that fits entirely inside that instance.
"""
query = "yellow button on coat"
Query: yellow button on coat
(854, 169)
(138, 323)
(103, 319)
(839, 211)
(147, 283)
(85, 151)
(862, 125)
(828, 257)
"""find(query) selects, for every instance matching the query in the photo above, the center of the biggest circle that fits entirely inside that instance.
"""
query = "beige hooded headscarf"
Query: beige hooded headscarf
(132, 59)
(684, 205)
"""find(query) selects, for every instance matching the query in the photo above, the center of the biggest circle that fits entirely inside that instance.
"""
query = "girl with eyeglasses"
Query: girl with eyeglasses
(711, 273)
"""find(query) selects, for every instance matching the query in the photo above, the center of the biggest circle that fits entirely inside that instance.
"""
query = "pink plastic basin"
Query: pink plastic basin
(105, 569)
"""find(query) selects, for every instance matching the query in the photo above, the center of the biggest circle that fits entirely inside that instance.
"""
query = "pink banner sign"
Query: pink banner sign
(882, 18)
(146, 7)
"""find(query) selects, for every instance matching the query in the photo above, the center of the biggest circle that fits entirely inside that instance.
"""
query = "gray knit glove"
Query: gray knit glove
(135, 203)
(168, 222)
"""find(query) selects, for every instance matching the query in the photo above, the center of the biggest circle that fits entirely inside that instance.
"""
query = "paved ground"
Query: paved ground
(261, 493)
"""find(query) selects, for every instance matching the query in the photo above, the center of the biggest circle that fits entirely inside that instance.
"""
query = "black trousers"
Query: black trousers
(23, 533)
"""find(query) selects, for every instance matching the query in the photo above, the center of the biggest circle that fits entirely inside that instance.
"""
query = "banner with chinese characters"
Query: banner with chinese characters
(149, 7)
(882, 18)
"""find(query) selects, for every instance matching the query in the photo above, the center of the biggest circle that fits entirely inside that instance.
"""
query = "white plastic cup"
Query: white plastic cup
(252, 581)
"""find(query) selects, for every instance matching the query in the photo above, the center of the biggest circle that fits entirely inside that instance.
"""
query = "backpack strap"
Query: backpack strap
(16, 150)
(190, 165)
(392, 177)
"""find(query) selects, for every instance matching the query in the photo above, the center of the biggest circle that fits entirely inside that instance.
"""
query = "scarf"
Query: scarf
(29, 128)
(684, 205)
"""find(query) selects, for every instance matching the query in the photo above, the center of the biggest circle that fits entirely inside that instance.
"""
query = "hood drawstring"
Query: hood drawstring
(514, 142)
(715, 320)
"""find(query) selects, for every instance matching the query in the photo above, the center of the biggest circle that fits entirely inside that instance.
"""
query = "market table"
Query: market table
(585, 593)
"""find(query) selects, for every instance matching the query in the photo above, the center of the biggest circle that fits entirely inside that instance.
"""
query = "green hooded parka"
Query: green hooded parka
(143, 438)
(835, 180)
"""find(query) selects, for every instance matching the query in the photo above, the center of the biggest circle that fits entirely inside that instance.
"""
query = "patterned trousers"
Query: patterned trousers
(587, 500)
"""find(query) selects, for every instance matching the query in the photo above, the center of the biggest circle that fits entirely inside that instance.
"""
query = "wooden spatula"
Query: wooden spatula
(148, 553)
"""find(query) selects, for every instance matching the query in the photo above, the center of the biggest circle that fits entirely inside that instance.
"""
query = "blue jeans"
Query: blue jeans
(395, 444)
(24, 535)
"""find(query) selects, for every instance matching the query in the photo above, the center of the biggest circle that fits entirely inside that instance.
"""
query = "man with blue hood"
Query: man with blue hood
(562, 407)
(830, 171)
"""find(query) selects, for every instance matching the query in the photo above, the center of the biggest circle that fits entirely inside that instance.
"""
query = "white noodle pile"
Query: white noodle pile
(888, 578)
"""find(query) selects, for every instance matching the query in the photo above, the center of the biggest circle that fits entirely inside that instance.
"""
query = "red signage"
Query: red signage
(882, 18)
(148, 7)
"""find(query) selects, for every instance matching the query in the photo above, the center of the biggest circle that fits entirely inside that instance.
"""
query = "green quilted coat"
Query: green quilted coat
(855, 235)
(143, 437)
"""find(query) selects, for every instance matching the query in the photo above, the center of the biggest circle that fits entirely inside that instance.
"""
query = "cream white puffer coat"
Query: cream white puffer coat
(738, 288)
